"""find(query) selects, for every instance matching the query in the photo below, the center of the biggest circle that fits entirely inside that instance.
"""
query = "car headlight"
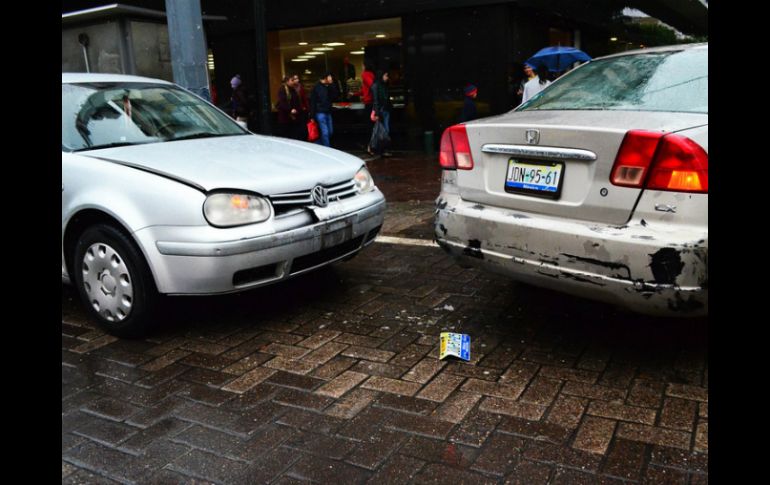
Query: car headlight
(231, 209)
(364, 182)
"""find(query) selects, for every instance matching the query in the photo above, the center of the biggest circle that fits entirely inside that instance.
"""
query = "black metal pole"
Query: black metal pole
(263, 77)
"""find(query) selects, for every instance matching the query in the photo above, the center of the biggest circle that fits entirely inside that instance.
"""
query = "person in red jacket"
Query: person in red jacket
(367, 80)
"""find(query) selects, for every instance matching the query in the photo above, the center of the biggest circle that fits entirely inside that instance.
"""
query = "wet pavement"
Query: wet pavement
(334, 377)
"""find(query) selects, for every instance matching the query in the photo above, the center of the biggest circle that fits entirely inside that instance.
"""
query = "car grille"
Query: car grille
(289, 202)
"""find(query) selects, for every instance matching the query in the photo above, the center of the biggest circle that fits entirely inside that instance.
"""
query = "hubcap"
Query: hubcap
(107, 282)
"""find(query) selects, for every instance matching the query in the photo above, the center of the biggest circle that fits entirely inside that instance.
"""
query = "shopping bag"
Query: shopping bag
(313, 133)
(380, 138)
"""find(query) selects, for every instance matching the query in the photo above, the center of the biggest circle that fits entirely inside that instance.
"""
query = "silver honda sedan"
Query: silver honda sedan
(596, 187)
(162, 193)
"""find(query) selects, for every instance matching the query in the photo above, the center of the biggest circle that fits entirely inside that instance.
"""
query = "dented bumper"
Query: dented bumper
(648, 267)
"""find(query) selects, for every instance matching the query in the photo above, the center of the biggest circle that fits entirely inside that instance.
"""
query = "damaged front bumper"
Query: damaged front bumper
(198, 260)
(650, 268)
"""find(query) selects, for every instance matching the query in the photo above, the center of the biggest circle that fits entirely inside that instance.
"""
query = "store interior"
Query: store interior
(310, 52)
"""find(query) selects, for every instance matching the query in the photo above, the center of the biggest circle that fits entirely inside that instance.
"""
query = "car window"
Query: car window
(674, 81)
(99, 115)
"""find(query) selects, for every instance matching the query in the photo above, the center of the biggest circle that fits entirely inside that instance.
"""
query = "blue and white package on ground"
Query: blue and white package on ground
(455, 344)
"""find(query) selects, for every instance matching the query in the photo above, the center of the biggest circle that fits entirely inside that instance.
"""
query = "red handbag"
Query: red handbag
(313, 133)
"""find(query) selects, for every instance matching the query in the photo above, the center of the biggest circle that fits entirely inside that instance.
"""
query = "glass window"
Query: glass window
(115, 114)
(343, 50)
(674, 81)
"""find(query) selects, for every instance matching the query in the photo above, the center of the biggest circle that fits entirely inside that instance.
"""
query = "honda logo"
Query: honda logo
(320, 196)
(532, 136)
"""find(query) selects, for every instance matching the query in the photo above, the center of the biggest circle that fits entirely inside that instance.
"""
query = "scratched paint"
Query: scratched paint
(666, 265)
(473, 249)
(614, 263)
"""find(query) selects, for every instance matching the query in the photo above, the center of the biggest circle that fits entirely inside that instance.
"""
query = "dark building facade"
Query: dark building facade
(432, 49)
(436, 49)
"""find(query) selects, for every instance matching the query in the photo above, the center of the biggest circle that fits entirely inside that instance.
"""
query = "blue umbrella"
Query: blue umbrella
(558, 58)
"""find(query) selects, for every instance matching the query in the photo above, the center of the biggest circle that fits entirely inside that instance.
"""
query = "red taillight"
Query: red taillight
(455, 151)
(446, 155)
(681, 165)
(654, 160)
(634, 158)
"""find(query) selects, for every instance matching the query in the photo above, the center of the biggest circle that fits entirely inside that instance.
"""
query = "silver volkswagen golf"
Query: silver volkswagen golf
(596, 187)
(162, 193)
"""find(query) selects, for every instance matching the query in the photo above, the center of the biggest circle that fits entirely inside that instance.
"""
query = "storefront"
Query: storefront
(344, 50)
(431, 52)
(430, 56)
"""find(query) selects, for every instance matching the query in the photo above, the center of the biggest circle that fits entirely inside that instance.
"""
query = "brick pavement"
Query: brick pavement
(341, 382)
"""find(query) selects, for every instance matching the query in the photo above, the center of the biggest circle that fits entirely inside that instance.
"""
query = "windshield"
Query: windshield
(675, 81)
(101, 115)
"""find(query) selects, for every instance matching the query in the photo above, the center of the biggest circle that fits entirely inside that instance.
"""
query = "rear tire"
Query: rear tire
(114, 281)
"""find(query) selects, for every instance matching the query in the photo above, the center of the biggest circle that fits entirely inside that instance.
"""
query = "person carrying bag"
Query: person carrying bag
(380, 139)
(381, 115)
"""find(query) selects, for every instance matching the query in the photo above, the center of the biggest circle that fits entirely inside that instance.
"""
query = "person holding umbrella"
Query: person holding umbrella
(536, 84)
(558, 58)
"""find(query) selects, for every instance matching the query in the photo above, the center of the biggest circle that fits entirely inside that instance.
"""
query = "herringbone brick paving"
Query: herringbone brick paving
(335, 378)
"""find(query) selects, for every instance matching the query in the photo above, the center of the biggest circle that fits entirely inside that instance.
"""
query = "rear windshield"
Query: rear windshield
(674, 81)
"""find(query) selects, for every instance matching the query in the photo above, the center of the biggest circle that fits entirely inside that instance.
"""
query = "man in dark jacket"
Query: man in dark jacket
(382, 104)
(240, 101)
(321, 99)
(291, 118)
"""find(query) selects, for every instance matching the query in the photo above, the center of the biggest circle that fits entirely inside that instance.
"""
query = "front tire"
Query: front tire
(114, 281)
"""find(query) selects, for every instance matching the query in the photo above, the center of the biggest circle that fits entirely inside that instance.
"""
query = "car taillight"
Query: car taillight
(681, 165)
(654, 160)
(634, 158)
(455, 151)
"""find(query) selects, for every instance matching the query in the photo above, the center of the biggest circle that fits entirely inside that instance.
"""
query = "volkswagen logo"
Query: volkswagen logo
(320, 196)
(532, 136)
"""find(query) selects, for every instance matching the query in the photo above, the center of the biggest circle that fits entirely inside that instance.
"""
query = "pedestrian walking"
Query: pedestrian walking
(321, 98)
(536, 84)
(529, 73)
(304, 113)
(367, 80)
(382, 106)
(239, 101)
(469, 112)
(291, 119)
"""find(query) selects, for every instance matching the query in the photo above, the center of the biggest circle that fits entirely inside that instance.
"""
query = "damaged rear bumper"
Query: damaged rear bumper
(650, 268)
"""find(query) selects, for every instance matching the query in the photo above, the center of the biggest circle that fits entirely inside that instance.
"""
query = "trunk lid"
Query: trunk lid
(588, 141)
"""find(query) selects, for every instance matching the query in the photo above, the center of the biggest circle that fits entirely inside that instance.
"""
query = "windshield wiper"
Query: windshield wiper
(107, 145)
(203, 135)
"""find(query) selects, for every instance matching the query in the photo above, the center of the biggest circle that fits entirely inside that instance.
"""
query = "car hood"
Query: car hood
(600, 119)
(262, 164)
